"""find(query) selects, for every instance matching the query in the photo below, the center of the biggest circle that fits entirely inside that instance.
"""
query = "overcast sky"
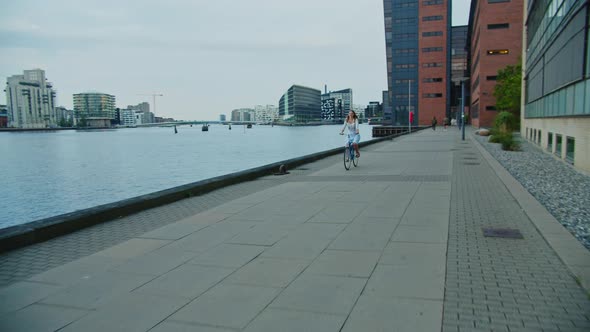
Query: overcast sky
(205, 57)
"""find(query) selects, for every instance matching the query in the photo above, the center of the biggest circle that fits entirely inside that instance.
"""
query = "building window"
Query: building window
(402, 36)
(432, 95)
(432, 49)
(570, 146)
(403, 81)
(405, 66)
(432, 33)
(498, 26)
(404, 5)
(432, 18)
(404, 51)
(558, 145)
(432, 79)
(432, 2)
(491, 108)
(432, 64)
(497, 1)
(491, 78)
(498, 52)
(550, 142)
(405, 20)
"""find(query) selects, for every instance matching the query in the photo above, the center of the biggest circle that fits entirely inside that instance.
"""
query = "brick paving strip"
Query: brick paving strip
(319, 250)
(497, 284)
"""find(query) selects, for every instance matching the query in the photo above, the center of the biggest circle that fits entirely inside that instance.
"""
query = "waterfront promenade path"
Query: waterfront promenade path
(393, 245)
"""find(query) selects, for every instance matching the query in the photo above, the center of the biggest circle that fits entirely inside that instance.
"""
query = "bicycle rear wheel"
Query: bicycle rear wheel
(347, 159)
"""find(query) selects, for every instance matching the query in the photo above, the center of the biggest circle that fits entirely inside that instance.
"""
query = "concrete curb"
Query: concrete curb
(571, 252)
(45, 229)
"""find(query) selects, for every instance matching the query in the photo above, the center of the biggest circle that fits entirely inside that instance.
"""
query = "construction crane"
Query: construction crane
(154, 95)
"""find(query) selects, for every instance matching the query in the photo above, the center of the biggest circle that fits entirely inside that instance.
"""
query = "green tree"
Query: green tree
(508, 89)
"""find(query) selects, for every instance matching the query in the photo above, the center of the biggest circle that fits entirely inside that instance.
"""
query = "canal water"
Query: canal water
(45, 174)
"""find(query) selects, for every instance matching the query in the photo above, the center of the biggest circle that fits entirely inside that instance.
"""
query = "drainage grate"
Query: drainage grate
(469, 158)
(506, 233)
(471, 164)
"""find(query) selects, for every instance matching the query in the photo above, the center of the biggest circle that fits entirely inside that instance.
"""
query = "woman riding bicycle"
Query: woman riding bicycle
(352, 123)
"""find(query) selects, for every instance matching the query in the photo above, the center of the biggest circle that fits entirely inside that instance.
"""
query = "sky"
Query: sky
(205, 57)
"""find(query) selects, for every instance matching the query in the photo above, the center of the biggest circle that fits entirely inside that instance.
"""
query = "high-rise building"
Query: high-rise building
(495, 41)
(459, 70)
(300, 104)
(556, 110)
(30, 100)
(417, 40)
(94, 109)
(336, 104)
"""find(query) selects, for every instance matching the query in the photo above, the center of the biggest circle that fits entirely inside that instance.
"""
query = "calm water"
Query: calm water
(51, 173)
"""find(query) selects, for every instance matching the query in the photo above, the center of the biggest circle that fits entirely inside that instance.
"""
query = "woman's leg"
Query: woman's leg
(357, 139)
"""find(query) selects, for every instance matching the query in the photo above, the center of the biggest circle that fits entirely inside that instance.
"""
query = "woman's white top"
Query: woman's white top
(352, 127)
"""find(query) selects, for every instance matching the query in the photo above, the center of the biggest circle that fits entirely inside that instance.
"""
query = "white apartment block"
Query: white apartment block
(243, 114)
(127, 118)
(30, 100)
(266, 114)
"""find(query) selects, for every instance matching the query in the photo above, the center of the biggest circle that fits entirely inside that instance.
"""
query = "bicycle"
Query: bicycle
(349, 154)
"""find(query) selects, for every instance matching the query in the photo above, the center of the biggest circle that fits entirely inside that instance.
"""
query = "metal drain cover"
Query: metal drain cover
(506, 233)
(469, 158)
(471, 164)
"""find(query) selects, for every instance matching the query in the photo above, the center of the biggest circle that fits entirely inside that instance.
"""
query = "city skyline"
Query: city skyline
(195, 59)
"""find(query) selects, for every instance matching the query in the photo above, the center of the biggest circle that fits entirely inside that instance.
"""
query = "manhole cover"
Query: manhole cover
(471, 163)
(503, 233)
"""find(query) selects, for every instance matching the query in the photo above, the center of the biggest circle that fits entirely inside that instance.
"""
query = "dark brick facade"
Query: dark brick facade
(494, 27)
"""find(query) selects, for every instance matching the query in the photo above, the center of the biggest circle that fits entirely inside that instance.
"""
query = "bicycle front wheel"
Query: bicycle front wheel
(355, 161)
(347, 159)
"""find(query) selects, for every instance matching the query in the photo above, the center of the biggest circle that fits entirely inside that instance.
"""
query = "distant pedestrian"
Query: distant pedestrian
(434, 122)
(446, 123)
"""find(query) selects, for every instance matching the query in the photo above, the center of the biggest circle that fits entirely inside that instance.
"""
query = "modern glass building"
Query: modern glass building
(417, 40)
(300, 104)
(459, 69)
(556, 112)
(97, 109)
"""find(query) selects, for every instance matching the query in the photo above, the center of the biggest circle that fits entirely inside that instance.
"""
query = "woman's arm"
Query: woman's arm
(343, 127)
(356, 125)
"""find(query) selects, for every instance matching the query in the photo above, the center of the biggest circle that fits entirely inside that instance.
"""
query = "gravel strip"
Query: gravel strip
(558, 186)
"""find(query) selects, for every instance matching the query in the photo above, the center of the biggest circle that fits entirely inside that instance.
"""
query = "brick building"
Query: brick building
(495, 41)
(417, 39)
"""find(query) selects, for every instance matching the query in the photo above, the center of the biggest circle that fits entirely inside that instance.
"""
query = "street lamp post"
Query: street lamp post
(462, 111)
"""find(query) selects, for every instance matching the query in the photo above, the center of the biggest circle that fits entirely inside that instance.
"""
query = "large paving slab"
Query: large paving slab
(321, 294)
(226, 305)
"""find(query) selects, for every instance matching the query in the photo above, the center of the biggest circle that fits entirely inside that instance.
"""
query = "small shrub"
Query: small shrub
(508, 143)
(506, 122)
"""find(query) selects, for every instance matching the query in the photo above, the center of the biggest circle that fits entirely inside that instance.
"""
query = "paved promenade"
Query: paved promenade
(393, 245)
